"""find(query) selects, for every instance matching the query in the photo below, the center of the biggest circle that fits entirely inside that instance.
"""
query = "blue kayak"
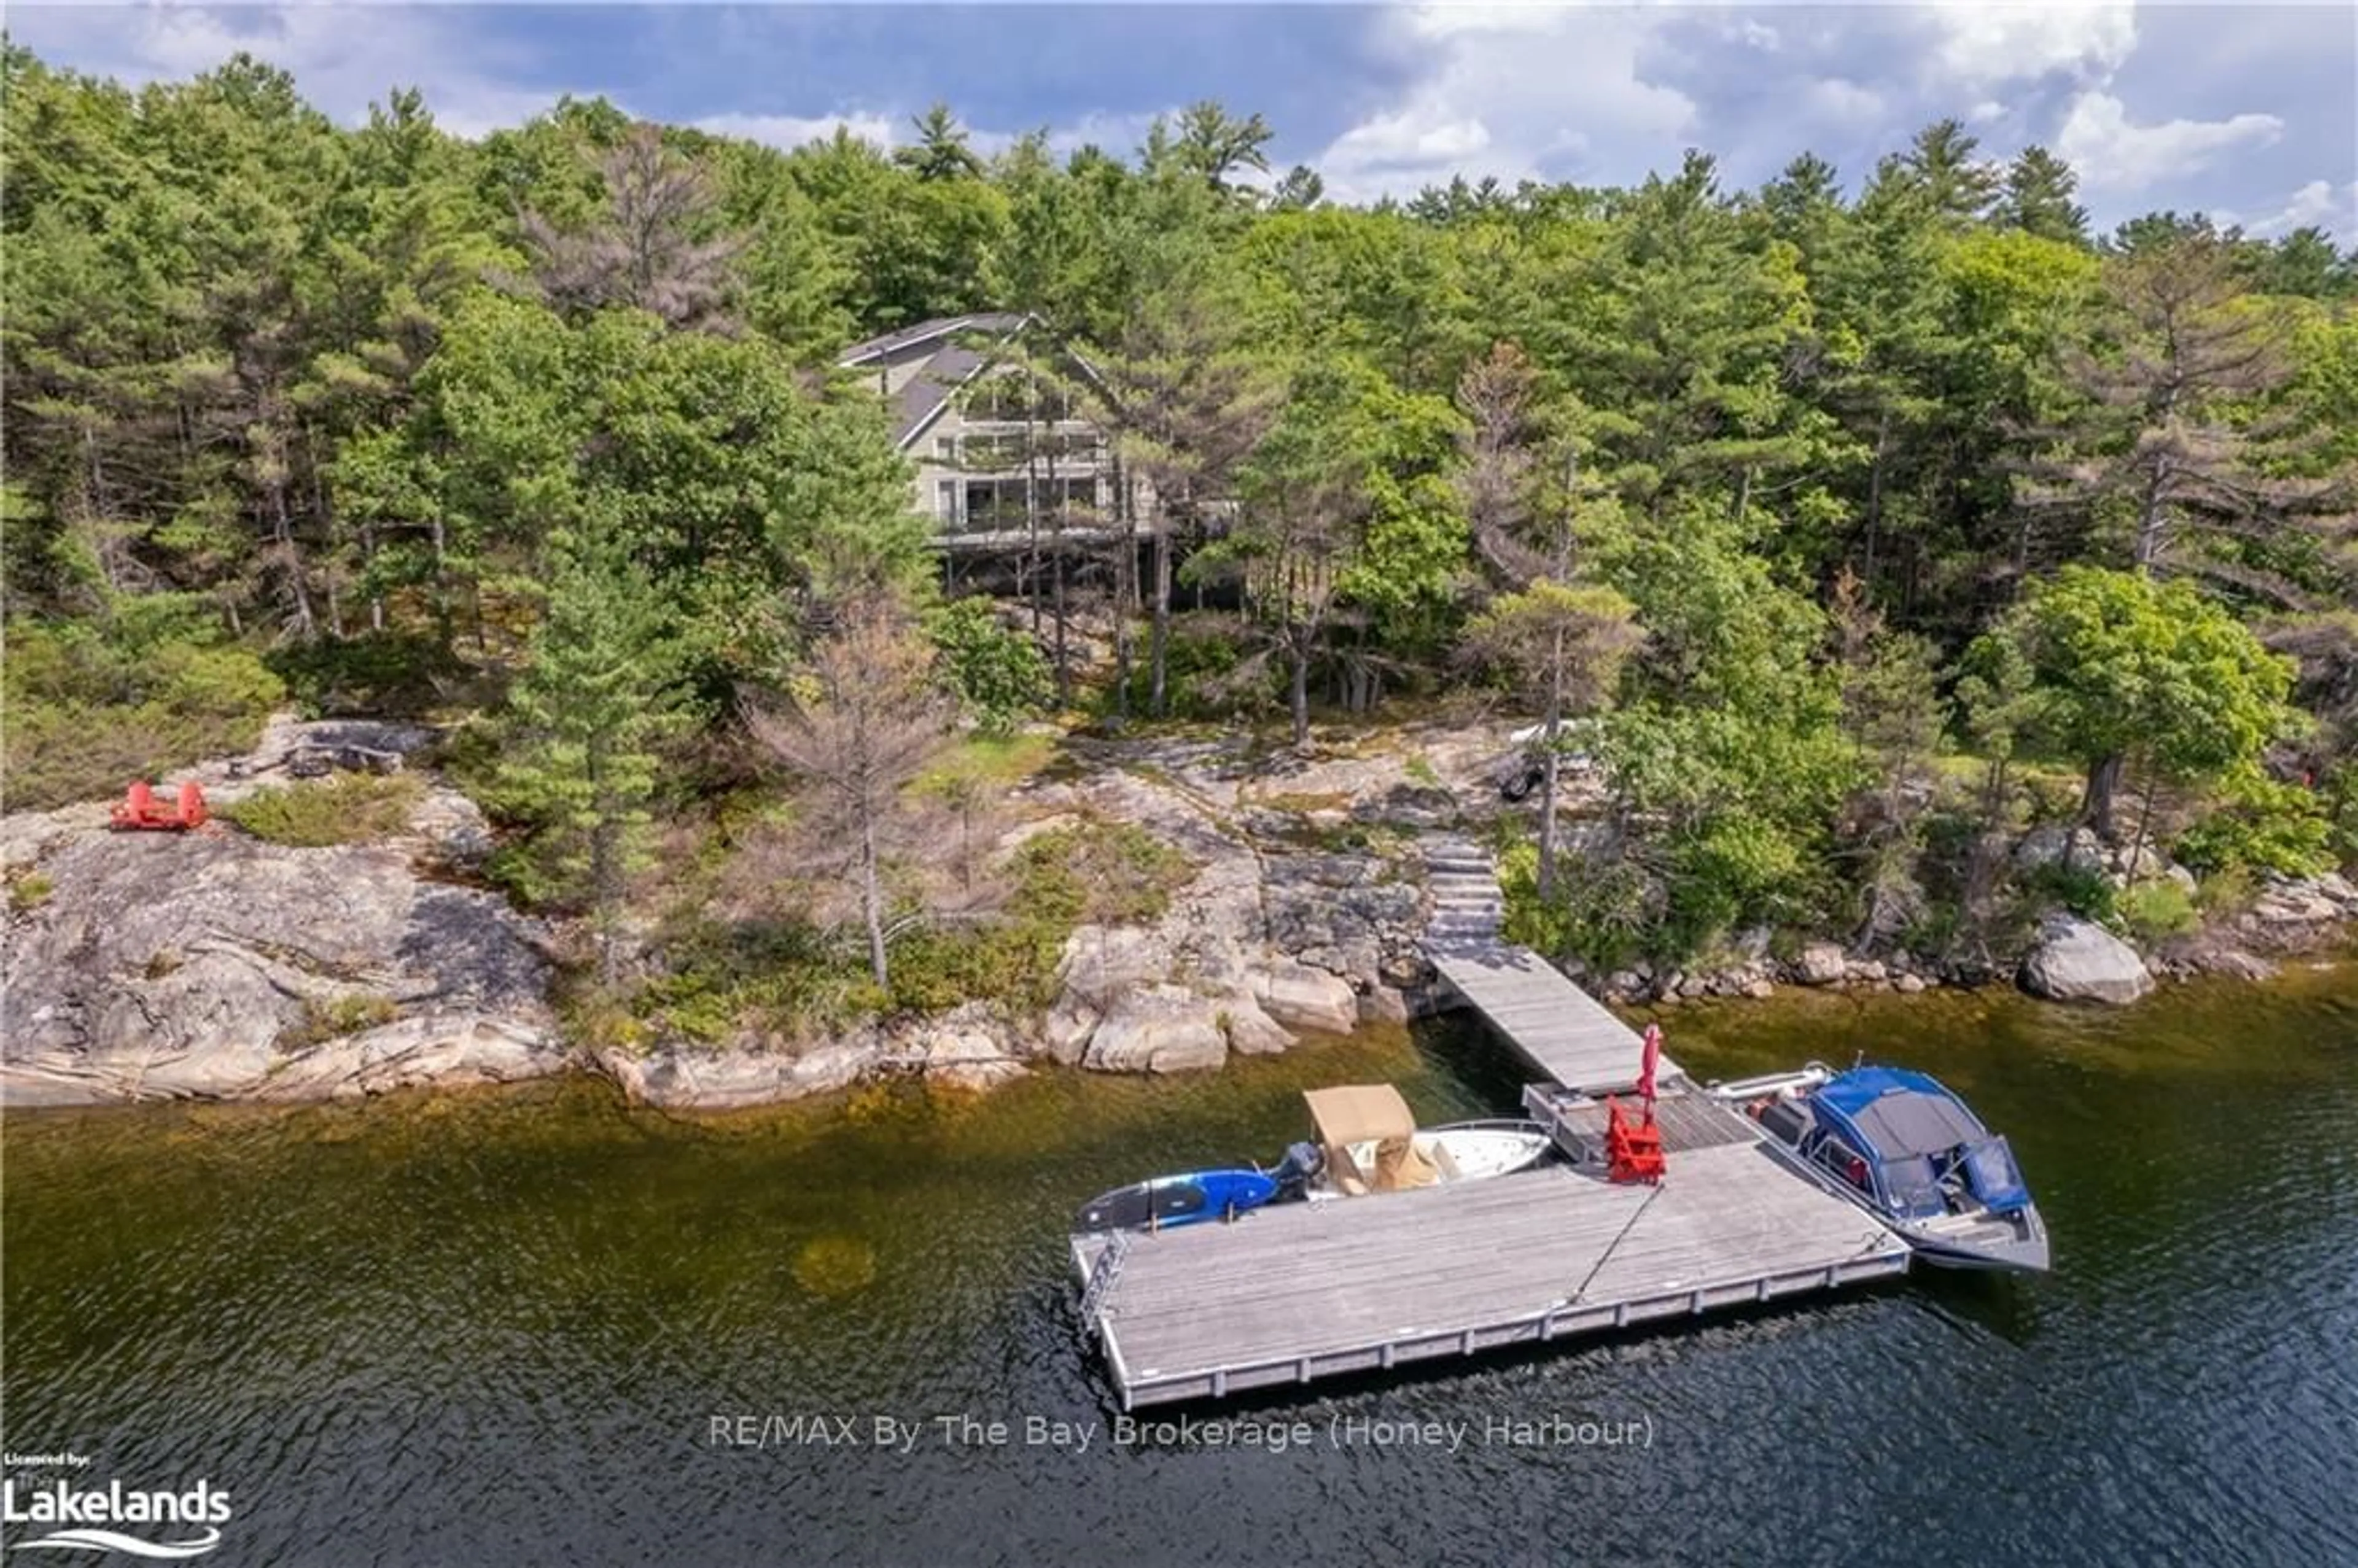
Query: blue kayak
(1176, 1200)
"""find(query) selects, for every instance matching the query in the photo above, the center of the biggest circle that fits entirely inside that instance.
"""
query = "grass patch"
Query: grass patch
(337, 1017)
(28, 890)
(1421, 771)
(993, 762)
(1305, 801)
(350, 808)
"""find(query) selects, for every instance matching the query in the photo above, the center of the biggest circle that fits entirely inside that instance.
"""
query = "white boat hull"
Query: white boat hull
(1473, 1153)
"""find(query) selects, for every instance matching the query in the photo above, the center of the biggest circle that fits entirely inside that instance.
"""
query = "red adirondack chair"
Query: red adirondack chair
(141, 811)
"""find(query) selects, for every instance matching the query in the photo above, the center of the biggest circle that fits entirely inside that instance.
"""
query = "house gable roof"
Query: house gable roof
(958, 355)
(998, 322)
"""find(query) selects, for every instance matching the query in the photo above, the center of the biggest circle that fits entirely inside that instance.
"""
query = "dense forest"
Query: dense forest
(1858, 517)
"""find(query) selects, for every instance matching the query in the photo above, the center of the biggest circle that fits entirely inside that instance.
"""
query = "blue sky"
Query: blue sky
(2247, 112)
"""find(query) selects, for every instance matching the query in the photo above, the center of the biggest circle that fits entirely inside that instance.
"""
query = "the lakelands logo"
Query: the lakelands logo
(88, 1517)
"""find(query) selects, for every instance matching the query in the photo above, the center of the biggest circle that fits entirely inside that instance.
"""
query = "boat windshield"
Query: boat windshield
(1991, 1173)
(1910, 1188)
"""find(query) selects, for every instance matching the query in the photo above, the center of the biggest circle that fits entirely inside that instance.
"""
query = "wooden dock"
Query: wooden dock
(1567, 1035)
(1293, 1293)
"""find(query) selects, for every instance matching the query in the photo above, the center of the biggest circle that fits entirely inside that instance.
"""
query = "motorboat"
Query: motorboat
(1365, 1140)
(1901, 1145)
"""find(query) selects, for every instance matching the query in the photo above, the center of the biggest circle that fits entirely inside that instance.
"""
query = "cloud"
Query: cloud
(790, 131)
(342, 60)
(1838, 99)
(2111, 153)
(2321, 205)
(1981, 43)
(1514, 91)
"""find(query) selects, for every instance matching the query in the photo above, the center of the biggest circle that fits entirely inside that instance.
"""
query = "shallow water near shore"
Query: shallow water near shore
(521, 1325)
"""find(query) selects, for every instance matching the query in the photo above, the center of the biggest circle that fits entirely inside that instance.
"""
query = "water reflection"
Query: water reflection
(495, 1327)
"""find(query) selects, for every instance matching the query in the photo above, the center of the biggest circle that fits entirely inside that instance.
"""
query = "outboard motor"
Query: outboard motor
(1294, 1174)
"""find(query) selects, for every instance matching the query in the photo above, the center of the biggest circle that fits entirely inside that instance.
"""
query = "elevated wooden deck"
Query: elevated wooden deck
(1298, 1291)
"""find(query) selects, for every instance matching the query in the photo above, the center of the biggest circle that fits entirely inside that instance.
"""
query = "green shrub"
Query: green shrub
(381, 676)
(2085, 891)
(140, 693)
(2228, 892)
(350, 808)
(999, 675)
(780, 977)
(1102, 873)
(1204, 674)
(2261, 824)
(2152, 911)
(1602, 914)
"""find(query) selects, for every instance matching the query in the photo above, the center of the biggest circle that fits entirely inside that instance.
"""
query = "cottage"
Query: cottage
(1003, 457)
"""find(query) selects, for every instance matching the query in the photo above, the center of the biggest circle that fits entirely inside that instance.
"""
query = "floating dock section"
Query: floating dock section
(1295, 1292)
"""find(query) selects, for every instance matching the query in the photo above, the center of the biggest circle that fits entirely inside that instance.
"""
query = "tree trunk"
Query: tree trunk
(2150, 519)
(1875, 497)
(444, 621)
(290, 562)
(604, 892)
(2096, 805)
(1547, 766)
(1125, 576)
(1299, 646)
(2145, 820)
(871, 900)
(1063, 658)
(1159, 653)
(1031, 520)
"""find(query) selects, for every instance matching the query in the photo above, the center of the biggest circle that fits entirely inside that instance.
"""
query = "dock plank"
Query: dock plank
(1309, 1285)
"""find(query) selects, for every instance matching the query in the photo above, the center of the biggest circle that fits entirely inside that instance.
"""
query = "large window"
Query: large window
(1007, 505)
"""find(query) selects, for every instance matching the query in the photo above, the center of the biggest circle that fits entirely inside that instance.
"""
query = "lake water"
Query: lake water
(516, 1327)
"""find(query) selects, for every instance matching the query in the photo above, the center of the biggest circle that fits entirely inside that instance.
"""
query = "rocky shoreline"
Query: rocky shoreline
(214, 966)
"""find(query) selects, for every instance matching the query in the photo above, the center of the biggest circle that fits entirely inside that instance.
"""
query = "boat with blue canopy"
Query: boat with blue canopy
(1897, 1144)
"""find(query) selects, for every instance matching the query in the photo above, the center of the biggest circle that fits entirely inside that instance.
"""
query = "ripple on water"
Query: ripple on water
(495, 1327)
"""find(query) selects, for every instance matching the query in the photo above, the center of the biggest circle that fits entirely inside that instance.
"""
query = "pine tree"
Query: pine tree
(1188, 404)
(2167, 446)
(586, 717)
(1564, 640)
(941, 152)
(2037, 198)
(654, 248)
(1940, 165)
